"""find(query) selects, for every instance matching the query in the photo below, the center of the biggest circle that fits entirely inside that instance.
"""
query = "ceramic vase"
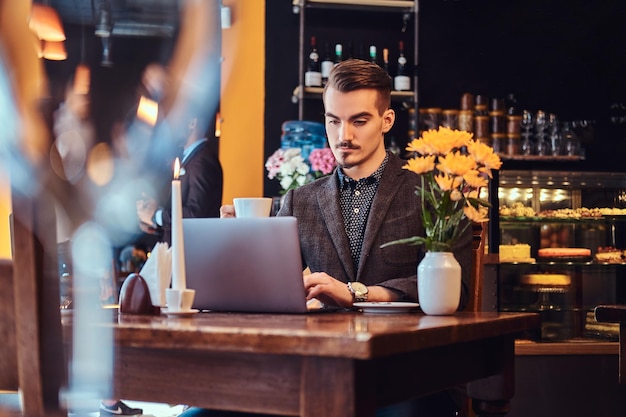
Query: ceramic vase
(439, 283)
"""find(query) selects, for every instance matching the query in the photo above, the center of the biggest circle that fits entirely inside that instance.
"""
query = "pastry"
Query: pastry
(515, 253)
(550, 280)
(564, 252)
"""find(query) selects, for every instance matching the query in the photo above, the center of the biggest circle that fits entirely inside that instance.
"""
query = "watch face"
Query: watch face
(359, 289)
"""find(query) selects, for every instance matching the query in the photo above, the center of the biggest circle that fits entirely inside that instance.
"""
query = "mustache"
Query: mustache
(346, 144)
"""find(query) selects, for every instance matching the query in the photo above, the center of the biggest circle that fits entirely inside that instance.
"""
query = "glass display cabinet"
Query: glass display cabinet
(562, 250)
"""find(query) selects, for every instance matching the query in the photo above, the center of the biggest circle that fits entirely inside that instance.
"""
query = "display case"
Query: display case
(562, 250)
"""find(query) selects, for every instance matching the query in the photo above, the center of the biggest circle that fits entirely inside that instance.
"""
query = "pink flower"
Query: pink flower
(274, 163)
(322, 160)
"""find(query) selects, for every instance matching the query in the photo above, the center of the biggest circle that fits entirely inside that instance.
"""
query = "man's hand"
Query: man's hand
(333, 292)
(227, 211)
(146, 208)
(327, 289)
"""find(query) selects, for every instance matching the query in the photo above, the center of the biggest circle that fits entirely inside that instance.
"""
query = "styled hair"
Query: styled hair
(357, 74)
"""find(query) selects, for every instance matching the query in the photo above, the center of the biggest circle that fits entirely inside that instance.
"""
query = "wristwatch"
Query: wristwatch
(358, 290)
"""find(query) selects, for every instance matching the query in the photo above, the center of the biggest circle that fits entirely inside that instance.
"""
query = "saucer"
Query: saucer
(180, 313)
(386, 307)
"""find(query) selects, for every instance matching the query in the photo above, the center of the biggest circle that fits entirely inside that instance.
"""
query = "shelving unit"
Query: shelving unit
(405, 10)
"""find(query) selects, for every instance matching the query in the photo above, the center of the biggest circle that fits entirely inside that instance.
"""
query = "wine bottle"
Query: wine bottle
(327, 63)
(313, 75)
(386, 60)
(338, 53)
(401, 81)
(349, 52)
(373, 54)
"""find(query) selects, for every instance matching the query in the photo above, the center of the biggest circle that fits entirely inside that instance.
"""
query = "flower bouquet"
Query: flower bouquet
(292, 170)
(453, 167)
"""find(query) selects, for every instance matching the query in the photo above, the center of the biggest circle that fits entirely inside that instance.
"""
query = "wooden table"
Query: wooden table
(616, 314)
(326, 364)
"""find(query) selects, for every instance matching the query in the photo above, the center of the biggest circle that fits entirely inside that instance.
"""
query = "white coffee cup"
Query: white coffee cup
(173, 298)
(253, 206)
(179, 300)
(187, 299)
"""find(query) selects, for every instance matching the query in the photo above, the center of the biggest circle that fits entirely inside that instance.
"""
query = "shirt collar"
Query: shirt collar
(189, 149)
(345, 181)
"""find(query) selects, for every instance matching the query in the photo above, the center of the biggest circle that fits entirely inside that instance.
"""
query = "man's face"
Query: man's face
(355, 129)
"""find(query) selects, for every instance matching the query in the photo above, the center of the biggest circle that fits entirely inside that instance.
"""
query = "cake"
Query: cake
(609, 255)
(564, 252)
(515, 253)
(547, 280)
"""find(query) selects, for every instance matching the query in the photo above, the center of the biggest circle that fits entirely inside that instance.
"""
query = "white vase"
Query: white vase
(439, 283)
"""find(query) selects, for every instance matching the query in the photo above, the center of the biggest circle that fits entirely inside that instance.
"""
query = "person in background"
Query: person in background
(201, 179)
(344, 218)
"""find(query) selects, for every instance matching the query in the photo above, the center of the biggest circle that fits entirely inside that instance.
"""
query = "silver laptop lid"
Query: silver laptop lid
(247, 264)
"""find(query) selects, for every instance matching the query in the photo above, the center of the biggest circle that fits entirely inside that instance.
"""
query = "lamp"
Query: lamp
(54, 51)
(104, 25)
(45, 22)
(106, 52)
(81, 79)
(148, 110)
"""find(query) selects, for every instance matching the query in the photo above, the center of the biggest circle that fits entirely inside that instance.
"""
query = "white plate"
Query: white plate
(384, 307)
(179, 313)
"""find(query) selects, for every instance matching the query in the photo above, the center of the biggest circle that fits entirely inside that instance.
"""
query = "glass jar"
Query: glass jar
(450, 119)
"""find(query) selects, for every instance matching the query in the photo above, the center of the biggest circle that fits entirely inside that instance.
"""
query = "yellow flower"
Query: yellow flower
(478, 216)
(472, 194)
(484, 155)
(453, 168)
(456, 164)
(448, 182)
(456, 195)
(419, 146)
(474, 179)
(421, 165)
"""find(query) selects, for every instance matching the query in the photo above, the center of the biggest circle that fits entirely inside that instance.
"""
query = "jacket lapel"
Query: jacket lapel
(330, 208)
(387, 190)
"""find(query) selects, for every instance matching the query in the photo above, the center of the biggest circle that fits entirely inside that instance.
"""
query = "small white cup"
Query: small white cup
(187, 299)
(252, 207)
(173, 298)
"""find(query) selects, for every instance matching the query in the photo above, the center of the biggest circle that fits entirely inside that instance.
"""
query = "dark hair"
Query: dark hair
(357, 74)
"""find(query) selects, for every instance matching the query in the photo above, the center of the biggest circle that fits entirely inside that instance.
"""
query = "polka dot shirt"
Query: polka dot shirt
(356, 199)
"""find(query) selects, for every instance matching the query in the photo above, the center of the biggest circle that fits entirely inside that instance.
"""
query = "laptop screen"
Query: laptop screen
(245, 264)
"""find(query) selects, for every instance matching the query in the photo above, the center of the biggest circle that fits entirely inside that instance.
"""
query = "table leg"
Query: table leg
(491, 396)
(330, 387)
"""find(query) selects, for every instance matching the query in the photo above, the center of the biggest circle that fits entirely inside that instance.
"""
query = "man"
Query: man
(344, 218)
(370, 200)
(201, 187)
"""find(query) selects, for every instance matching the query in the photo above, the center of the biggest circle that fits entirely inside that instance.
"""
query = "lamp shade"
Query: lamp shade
(81, 79)
(45, 22)
(148, 110)
(54, 51)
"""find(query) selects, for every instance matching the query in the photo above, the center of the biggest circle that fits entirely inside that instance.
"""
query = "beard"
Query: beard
(341, 156)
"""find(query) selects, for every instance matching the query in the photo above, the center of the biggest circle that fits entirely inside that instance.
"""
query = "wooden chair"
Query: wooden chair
(8, 358)
(474, 303)
(616, 313)
(479, 232)
(31, 354)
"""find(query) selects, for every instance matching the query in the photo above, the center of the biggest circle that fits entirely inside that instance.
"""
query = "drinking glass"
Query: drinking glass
(527, 147)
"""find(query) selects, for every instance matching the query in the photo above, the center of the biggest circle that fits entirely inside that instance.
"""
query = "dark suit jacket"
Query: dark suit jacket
(395, 214)
(201, 185)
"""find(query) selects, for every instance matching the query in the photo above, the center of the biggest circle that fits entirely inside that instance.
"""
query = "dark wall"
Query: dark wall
(563, 57)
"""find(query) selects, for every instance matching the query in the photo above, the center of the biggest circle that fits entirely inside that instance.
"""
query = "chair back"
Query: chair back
(33, 319)
(479, 232)
(8, 350)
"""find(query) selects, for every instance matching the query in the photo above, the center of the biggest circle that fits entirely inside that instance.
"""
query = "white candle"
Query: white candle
(178, 248)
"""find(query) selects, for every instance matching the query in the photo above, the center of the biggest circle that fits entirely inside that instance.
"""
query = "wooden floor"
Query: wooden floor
(10, 407)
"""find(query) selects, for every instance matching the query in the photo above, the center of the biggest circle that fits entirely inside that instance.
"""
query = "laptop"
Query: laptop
(245, 264)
